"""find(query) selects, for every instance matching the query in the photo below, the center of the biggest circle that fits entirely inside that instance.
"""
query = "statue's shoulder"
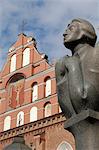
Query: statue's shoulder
(62, 60)
(94, 55)
(96, 49)
(97, 45)
(66, 57)
(96, 52)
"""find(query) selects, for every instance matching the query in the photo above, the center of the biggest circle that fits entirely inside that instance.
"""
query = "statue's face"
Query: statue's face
(72, 33)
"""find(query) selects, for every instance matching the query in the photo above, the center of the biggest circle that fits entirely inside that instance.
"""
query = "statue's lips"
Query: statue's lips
(65, 38)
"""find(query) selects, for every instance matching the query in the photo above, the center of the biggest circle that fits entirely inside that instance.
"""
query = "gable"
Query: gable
(32, 57)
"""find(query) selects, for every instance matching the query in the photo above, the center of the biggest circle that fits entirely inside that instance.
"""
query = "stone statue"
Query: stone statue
(77, 78)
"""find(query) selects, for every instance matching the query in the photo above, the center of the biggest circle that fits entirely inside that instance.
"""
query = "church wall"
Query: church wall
(16, 89)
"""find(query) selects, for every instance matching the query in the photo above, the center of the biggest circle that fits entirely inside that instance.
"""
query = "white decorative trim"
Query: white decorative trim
(28, 89)
(41, 73)
(11, 49)
(22, 46)
(2, 90)
(36, 127)
(19, 70)
(2, 99)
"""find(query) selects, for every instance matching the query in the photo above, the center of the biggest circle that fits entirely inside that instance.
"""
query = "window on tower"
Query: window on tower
(47, 86)
(13, 63)
(33, 114)
(7, 123)
(34, 92)
(47, 109)
(26, 57)
(20, 118)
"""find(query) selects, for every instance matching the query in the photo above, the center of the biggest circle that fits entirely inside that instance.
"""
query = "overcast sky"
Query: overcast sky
(46, 20)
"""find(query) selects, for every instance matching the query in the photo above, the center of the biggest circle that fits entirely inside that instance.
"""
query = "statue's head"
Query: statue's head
(79, 31)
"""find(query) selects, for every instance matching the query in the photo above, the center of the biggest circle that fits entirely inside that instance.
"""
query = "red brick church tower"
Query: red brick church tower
(28, 100)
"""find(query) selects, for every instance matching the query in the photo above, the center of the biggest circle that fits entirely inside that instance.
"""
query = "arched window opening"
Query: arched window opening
(34, 92)
(13, 63)
(64, 146)
(15, 77)
(26, 57)
(47, 109)
(20, 118)
(7, 123)
(33, 114)
(47, 87)
(15, 90)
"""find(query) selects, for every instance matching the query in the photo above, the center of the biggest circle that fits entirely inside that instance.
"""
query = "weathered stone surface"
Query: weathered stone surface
(77, 78)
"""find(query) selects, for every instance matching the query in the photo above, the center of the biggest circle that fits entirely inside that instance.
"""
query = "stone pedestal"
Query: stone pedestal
(85, 128)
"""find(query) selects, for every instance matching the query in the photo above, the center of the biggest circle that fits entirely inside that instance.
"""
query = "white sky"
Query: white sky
(46, 20)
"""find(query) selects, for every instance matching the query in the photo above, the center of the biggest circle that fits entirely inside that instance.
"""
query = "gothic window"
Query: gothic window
(64, 146)
(13, 63)
(47, 87)
(47, 109)
(34, 92)
(20, 118)
(33, 114)
(26, 57)
(7, 123)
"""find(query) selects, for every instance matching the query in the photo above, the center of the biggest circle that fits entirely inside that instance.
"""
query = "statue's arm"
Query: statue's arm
(62, 88)
(70, 85)
(60, 71)
(75, 77)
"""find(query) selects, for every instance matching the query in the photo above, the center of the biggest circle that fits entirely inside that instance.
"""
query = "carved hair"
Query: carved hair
(88, 30)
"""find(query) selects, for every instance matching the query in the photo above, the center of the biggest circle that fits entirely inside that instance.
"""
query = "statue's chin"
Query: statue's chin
(69, 45)
(72, 44)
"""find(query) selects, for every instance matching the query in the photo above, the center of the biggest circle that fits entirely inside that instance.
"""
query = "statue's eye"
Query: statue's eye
(71, 28)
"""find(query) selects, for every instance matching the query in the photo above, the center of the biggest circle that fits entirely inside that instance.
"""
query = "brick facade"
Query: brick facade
(16, 89)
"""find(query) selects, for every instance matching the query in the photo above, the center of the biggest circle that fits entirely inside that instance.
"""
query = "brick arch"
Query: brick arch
(25, 48)
(48, 102)
(64, 145)
(46, 78)
(35, 82)
(15, 77)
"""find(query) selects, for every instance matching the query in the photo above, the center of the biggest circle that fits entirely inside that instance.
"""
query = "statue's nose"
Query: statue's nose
(63, 34)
